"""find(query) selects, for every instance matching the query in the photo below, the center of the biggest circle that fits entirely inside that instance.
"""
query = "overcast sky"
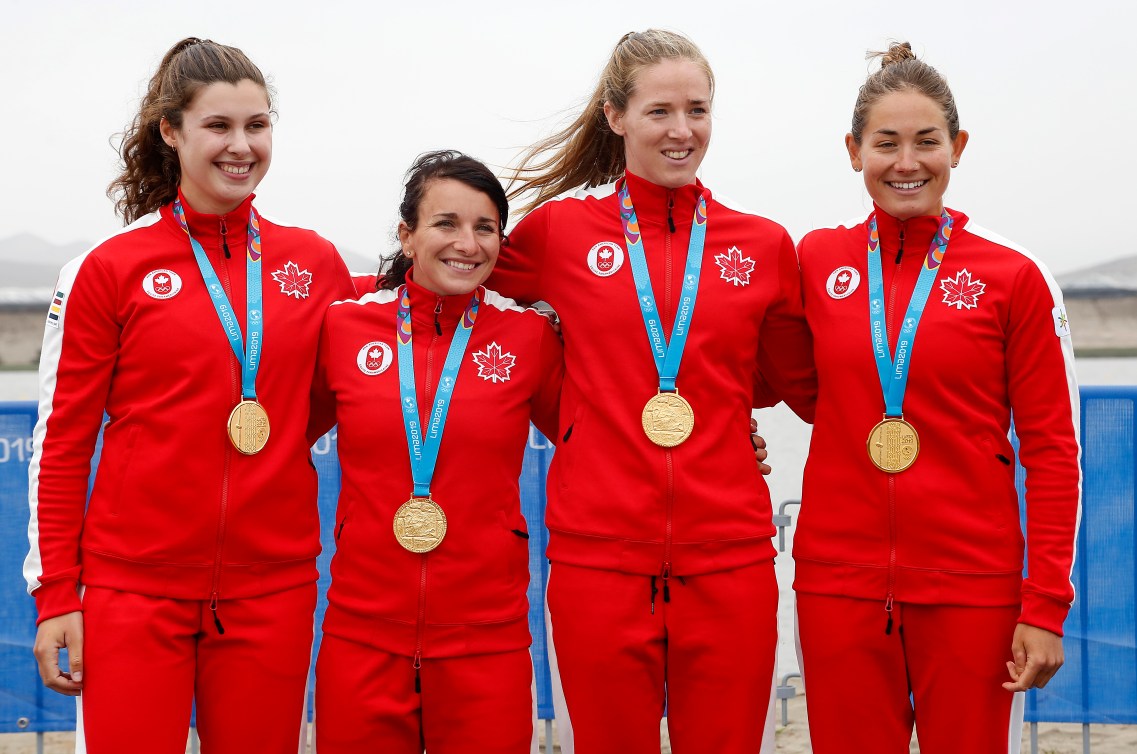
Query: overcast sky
(1047, 89)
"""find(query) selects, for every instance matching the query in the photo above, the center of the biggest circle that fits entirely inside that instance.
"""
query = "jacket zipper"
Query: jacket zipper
(891, 551)
(665, 568)
(224, 239)
(234, 387)
(420, 626)
(888, 600)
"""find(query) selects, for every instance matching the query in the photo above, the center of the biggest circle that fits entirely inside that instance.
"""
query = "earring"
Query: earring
(856, 170)
(955, 164)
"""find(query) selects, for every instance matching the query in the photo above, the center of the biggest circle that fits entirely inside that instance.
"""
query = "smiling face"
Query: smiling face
(224, 145)
(667, 123)
(456, 238)
(907, 153)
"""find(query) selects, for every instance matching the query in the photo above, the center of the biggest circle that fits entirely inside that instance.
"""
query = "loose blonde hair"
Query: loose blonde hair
(586, 152)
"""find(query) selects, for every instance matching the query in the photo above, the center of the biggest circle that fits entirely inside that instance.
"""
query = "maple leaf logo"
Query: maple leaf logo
(961, 291)
(493, 364)
(161, 280)
(735, 268)
(293, 280)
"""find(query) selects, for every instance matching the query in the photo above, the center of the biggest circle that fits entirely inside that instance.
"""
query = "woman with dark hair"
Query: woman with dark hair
(426, 634)
(912, 603)
(662, 589)
(191, 574)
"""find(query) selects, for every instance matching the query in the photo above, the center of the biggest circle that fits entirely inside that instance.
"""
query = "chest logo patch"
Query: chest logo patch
(842, 282)
(734, 267)
(962, 291)
(374, 358)
(293, 280)
(162, 284)
(605, 258)
(494, 364)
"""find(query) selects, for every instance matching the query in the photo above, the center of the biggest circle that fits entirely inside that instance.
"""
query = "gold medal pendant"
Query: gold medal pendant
(420, 524)
(668, 419)
(893, 445)
(248, 427)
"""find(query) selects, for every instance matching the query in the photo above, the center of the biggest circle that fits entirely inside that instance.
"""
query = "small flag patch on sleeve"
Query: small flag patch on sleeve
(1061, 322)
(55, 309)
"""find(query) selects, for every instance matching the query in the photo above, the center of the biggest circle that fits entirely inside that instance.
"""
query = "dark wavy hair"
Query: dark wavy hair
(437, 166)
(150, 169)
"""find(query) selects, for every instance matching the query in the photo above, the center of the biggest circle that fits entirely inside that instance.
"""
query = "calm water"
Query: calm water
(788, 440)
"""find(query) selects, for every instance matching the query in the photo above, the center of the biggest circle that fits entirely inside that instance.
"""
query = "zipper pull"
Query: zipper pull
(654, 591)
(418, 666)
(216, 620)
(670, 206)
(666, 575)
(888, 609)
(224, 239)
(437, 311)
(900, 251)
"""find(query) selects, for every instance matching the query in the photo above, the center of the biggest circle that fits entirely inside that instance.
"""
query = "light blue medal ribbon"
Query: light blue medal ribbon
(248, 353)
(424, 445)
(893, 373)
(668, 354)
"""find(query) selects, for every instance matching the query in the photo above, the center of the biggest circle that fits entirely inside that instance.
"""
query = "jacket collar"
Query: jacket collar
(918, 231)
(652, 201)
(206, 228)
(425, 303)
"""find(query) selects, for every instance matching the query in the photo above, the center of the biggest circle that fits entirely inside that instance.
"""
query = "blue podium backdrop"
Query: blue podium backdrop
(1097, 685)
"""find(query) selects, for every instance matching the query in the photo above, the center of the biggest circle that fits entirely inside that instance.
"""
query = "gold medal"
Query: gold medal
(420, 524)
(893, 445)
(668, 419)
(248, 427)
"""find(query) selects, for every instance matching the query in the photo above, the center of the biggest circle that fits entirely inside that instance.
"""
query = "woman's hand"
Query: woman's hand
(61, 632)
(1037, 656)
(759, 444)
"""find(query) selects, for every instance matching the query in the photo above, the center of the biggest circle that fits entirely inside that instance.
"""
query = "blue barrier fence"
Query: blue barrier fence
(1098, 684)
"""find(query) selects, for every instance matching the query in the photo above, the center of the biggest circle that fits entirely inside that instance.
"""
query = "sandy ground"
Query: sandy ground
(791, 739)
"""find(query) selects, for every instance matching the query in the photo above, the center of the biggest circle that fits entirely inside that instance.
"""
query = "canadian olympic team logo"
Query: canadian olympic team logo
(374, 358)
(162, 284)
(842, 282)
(605, 258)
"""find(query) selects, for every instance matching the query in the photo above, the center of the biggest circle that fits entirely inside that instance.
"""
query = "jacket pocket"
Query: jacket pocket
(121, 467)
(999, 467)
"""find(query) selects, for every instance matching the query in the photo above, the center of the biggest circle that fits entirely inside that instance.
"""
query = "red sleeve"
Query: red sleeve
(77, 363)
(785, 347)
(764, 395)
(365, 284)
(517, 274)
(1045, 407)
(321, 412)
(547, 398)
(322, 416)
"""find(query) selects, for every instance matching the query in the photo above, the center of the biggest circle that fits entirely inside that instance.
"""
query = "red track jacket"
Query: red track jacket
(616, 500)
(993, 341)
(175, 510)
(468, 595)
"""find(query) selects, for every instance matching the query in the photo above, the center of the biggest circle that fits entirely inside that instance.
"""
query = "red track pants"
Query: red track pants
(626, 646)
(951, 659)
(147, 659)
(366, 701)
